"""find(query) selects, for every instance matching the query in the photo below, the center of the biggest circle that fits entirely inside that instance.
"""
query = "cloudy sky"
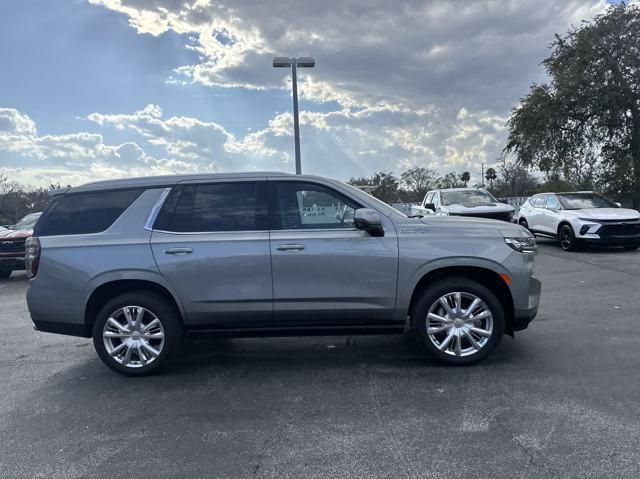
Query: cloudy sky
(107, 88)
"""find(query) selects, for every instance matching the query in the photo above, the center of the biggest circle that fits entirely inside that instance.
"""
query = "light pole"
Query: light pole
(294, 63)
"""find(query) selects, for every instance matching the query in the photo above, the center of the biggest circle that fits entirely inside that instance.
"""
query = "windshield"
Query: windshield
(467, 198)
(28, 222)
(578, 201)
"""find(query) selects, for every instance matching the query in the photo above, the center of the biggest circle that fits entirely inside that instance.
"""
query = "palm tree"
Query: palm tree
(465, 177)
(490, 175)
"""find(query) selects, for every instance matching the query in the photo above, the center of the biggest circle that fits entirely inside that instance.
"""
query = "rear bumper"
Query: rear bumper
(523, 316)
(68, 329)
(50, 319)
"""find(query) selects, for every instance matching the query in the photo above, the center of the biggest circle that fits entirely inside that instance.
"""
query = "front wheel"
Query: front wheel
(459, 321)
(568, 241)
(524, 223)
(135, 333)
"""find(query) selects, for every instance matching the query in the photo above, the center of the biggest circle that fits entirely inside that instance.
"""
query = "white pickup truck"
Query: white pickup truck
(463, 202)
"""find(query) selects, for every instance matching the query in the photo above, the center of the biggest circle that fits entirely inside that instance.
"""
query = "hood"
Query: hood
(470, 222)
(15, 234)
(605, 213)
(469, 209)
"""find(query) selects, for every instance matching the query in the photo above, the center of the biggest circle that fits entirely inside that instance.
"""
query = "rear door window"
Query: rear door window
(539, 201)
(213, 207)
(84, 213)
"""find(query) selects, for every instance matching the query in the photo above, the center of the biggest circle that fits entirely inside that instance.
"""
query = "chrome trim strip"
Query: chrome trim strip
(148, 225)
(255, 231)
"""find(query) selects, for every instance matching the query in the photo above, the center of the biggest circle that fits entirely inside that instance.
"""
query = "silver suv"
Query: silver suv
(138, 263)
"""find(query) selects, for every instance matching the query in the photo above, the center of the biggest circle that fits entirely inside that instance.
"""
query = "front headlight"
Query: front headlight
(522, 244)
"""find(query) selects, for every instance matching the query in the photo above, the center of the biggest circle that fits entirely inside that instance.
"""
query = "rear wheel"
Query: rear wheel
(459, 321)
(5, 273)
(568, 241)
(135, 333)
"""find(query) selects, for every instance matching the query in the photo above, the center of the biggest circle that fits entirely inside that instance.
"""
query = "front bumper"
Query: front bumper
(13, 263)
(611, 240)
(523, 316)
(503, 216)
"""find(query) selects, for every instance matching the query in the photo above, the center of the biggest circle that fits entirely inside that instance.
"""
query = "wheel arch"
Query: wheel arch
(482, 275)
(112, 288)
(563, 223)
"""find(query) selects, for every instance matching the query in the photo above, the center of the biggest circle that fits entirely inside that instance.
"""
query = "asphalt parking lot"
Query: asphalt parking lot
(561, 400)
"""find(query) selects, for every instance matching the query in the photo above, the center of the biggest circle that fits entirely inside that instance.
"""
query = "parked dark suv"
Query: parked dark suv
(136, 263)
(12, 244)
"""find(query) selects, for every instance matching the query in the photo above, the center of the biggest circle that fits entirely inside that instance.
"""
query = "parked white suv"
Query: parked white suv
(581, 217)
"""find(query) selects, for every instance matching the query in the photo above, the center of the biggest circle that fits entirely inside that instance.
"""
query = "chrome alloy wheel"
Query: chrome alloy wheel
(133, 336)
(459, 323)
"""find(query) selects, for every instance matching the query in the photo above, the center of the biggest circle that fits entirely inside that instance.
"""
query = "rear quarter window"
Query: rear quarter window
(84, 213)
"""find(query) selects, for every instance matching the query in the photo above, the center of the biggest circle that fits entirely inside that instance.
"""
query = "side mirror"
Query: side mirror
(430, 206)
(368, 220)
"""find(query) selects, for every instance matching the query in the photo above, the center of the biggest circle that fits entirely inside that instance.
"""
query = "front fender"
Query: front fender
(416, 274)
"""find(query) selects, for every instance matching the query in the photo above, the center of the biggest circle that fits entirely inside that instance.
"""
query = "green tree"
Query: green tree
(419, 180)
(514, 179)
(465, 177)
(385, 182)
(17, 200)
(450, 180)
(490, 175)
(587, 118)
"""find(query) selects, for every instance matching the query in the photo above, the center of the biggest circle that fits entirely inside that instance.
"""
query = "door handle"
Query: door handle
(178, 251)
(290, 247)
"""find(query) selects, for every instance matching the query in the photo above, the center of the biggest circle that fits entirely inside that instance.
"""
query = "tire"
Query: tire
(436, 343)
(632, 247)
(524, 223)
(5, 273)
(161, 338)
(567, 238)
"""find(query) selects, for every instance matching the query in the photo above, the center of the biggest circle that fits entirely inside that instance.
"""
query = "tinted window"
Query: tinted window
(237, 206)
(429, 198)
(552, 203)
(308, 206)
(83, 213)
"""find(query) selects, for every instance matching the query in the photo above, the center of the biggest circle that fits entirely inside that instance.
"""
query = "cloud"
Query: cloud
(70, 158)
(336, 143)
(14, 123)
(418, 82)
(191, 140)
(473, 54)
(426, 83)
